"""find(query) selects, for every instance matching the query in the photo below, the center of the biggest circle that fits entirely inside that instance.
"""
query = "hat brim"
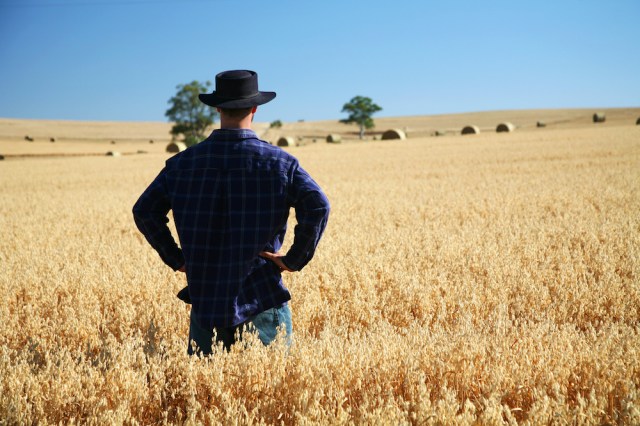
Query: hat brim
(213, 100)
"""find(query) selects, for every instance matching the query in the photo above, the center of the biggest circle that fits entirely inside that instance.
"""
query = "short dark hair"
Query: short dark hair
(236, 113)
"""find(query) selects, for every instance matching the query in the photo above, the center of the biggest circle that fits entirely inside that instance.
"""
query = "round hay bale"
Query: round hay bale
(113, 142)
(541, 124)
(150, 140)
(638, 121)
(286, 141)
(470, 130)
(334, 138)
(599, 117)
(1, 157)
(52, 139)
(394, 134)
(505, 127)
(113, 154)
(176, 147)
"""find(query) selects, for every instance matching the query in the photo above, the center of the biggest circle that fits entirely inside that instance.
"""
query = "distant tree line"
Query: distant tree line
(192, 118)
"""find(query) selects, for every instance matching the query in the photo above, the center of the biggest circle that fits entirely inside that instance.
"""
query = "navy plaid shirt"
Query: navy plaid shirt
(230, 196)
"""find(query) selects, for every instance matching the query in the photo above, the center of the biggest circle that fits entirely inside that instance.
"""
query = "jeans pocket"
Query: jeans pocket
(269, 322)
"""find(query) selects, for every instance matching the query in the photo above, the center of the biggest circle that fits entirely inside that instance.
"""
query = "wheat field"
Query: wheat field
(489, 279)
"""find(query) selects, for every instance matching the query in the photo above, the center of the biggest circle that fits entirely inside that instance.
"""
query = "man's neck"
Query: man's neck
(234, 124)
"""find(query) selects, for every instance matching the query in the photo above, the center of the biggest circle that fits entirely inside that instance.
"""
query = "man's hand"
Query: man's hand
(277, 259)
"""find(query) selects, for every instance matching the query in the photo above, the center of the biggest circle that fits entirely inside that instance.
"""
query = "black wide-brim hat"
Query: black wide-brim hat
(236, 89)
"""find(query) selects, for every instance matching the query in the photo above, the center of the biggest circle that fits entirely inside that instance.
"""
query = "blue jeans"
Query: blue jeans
(266, 323)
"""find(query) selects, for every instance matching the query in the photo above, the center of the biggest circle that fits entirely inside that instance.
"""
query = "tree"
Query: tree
(360, 109)
(275, 124)
(191, 117)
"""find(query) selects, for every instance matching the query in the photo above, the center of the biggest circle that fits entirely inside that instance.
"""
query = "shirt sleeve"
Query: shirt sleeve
(312, 212)
(150, 216)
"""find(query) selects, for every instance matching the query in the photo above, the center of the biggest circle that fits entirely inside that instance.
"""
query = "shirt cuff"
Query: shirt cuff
(287, 264)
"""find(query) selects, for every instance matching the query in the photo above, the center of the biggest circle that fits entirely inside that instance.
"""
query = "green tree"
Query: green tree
(275, 124)
(360, 109)
(191, 117)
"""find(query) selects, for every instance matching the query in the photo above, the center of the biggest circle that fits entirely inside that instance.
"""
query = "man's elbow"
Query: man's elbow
(140, 215)
(136, 208)
(139, 211)
(326, 206)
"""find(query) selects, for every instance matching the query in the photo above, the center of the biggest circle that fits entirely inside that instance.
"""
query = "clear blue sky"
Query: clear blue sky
(122, 59)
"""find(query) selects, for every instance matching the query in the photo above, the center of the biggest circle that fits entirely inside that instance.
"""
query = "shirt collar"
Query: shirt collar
(232, 134)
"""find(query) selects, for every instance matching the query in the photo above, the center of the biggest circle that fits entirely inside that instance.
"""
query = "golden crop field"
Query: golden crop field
(483, 279)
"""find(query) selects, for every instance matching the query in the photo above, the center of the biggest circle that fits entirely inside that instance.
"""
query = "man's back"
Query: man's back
(230, 197)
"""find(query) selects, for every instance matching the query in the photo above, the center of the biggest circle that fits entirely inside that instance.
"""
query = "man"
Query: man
(230, 196)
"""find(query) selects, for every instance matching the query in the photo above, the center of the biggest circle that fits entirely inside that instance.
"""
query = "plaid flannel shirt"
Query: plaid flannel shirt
(230, 196)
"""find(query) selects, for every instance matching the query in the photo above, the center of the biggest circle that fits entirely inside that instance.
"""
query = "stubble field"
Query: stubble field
(484, 279)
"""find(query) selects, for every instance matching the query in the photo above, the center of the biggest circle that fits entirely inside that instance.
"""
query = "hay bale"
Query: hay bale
(599, 117)
(470, 130)
(505, 127)
(150, 140)
(52, 139)
(113, 142)
(638, 121)
(334, 138)
(176, 147)
(28, 138)
(113, 154)
(286, 141)
(541, 124)
(394, 134)
(1, 157)
(439, 133)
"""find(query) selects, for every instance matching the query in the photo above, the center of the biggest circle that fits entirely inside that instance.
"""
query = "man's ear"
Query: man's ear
(255, 108)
